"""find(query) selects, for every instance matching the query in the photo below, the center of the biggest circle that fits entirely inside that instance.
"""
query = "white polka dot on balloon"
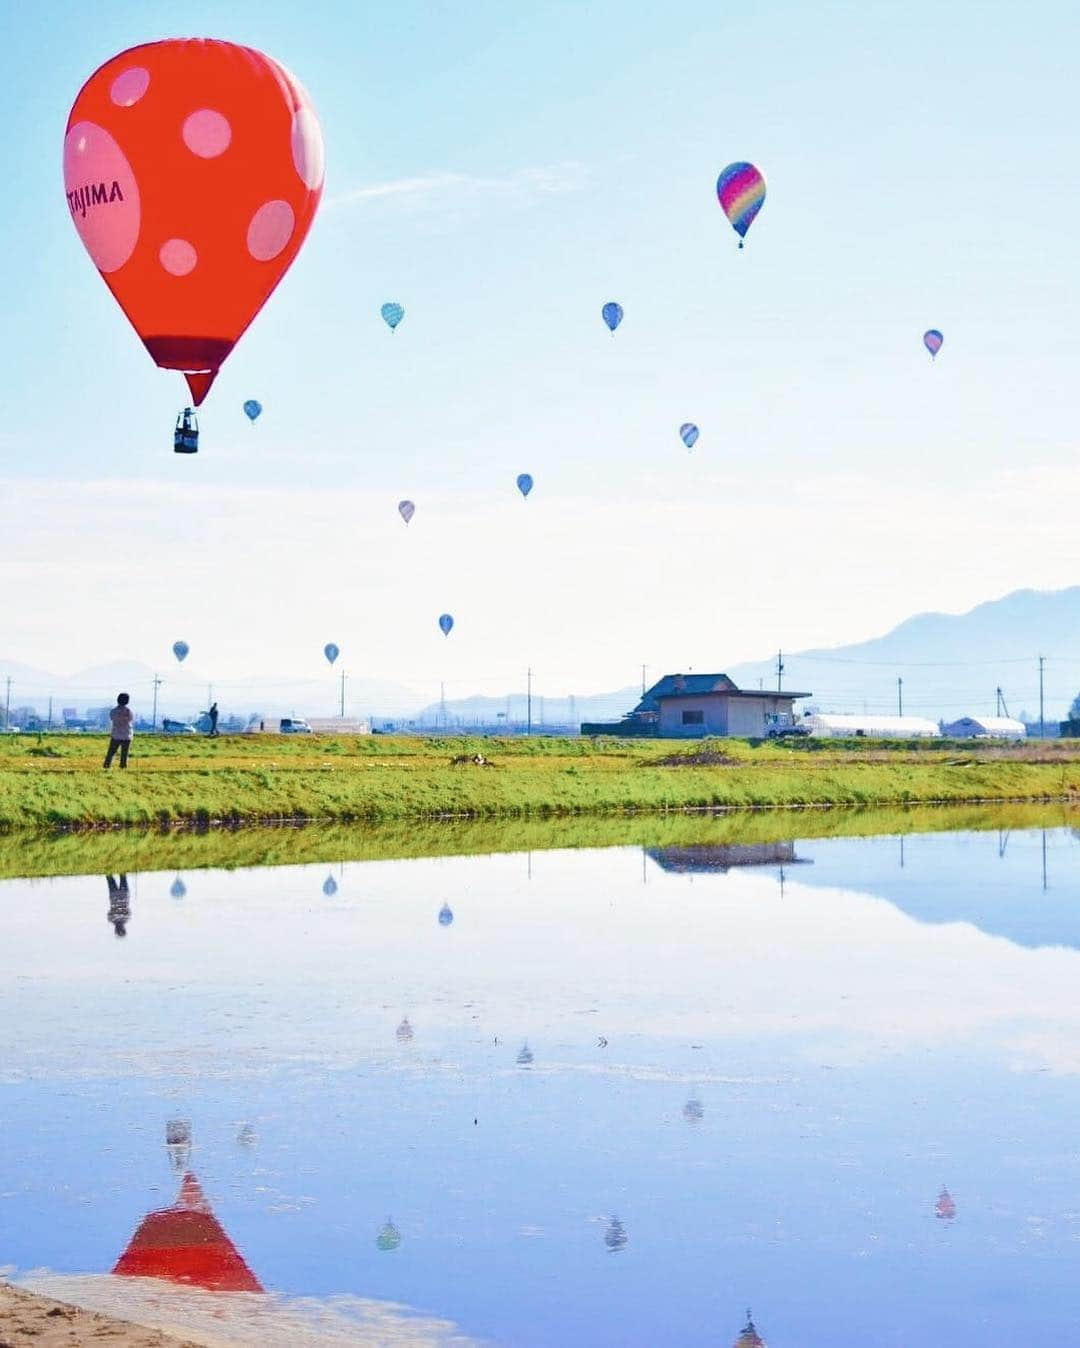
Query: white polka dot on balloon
(207, 133)
(270, 230)
(178, 257)
(309, 157)
(130, 86)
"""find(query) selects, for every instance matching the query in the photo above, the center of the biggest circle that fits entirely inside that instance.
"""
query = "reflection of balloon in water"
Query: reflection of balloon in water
(404, 1031)
(178, 889)
(612, 314)
(446, 622)
(329, 886)
(524, 483)
(689, 433)
(945, 1206)
(933, 341)
(446, 915)
(193, 171)
(749, 1338)
(525, 1056)
(389, 1237)
(392, 314)
(740, 190)
(693, 1111)
(331, 652)
(252, 409)
(247, 1136)
(178, 1143)
(180, 650)
(406, 510)
(615, 1236)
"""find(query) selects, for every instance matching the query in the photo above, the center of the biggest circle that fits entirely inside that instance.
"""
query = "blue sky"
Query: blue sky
(502, 171)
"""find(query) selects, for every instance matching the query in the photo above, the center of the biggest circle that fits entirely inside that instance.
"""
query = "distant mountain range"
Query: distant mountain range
(950, 664)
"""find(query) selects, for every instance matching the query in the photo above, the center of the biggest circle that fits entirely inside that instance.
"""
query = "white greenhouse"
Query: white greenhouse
(839, 725)
(986, 728)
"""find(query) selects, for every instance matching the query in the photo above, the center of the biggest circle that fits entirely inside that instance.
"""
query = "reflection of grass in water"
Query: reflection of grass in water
(383, 778)
(27, 853)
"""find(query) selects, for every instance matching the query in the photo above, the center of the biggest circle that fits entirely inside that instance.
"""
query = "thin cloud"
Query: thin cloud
(429, 189)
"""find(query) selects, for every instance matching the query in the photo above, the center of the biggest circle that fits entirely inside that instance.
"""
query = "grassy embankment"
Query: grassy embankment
(57, 780)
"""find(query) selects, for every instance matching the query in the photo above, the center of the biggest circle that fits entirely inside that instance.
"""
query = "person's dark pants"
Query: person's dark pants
(124, 746)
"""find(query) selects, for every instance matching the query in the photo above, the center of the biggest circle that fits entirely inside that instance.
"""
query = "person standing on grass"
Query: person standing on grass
(213, 714)
(122, 720)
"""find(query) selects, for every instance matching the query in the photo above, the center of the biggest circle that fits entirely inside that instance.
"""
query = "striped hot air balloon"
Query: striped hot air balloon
(741, 192)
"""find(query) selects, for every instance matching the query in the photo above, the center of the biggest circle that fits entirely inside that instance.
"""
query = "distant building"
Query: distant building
(707, 858)
(689, 706)
(838, 725)
(985, 728)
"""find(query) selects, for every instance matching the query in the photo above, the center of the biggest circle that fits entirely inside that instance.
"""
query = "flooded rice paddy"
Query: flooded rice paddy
(611, 1096)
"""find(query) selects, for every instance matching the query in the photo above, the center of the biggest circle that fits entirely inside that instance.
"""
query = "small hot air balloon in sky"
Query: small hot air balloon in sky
(389, 1237)
(178, 890)
(406, 510)
(331, 652)
(524, 483)
(446, 623)
(446, 915)
(253, 409)
(193, 170)
(329, 886)
(741, 192)
(933, 341)
(612, 314)
(180, 650)
(945, 1208)
(689, 433)
(392, 314)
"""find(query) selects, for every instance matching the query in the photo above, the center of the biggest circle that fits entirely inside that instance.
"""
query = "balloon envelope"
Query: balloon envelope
(612, 314)
(331, 652)
(252, 409)
(180, 650)
(392, 315)
(525, 483)
(446, 622)
(446, 915)
(406, 510)
(193, 170)
(933, 341)
(740, 190)
(689, 433)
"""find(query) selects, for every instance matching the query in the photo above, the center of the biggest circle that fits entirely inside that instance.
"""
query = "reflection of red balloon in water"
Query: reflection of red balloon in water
(193, 170)
(945, 1207)
(187, 1244)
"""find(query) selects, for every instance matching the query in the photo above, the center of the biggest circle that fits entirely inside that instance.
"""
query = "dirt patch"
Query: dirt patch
(26, 1318)
(701, 758)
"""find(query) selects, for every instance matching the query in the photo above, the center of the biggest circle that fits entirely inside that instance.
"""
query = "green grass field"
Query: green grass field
(57, 780)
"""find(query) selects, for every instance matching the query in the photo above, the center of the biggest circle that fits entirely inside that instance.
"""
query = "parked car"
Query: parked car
(295, 725)
(177, 727)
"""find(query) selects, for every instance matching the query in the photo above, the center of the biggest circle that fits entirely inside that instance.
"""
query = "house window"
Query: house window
(693, 718)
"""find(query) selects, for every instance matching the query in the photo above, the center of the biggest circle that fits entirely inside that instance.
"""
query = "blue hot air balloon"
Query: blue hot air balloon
(933, 341)
(329, 886)
(406, 510)
(612, 314)
(253, 409)
(446, 622)
(331, 652)
(180, 650)
(392, 314)
(525, 483)
(689, 433)
(446, 915)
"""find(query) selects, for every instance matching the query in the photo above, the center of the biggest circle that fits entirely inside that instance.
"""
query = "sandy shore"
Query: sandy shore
(27, 1318)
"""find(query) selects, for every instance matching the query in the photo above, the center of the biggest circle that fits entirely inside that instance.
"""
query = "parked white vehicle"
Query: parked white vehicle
(295, 725)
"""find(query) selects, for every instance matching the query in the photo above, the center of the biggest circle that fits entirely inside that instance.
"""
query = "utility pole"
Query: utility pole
(7, 703)
(779, 670)
(997, 704)
(899, 696)
(528, 701)
(50, 711)
(1042, 723)
(343, 695)
(153, 717)
(642, 680)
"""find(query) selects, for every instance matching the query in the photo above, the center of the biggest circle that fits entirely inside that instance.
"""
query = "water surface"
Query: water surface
(602, 1097)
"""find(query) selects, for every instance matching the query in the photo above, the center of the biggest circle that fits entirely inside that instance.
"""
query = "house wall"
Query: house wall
(739, 716)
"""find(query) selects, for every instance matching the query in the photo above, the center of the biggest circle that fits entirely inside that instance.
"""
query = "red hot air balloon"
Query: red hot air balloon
(193, 170)
(945, 1207)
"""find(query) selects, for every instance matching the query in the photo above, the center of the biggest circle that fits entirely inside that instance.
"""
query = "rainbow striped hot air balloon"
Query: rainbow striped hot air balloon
(933, 341)
(741, 192)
